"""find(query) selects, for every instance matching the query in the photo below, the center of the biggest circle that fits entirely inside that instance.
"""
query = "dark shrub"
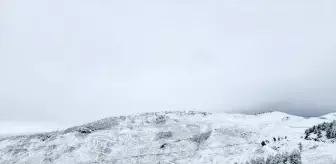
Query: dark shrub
(263, 143)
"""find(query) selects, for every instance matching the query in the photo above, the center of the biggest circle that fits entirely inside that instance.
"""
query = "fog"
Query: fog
(74, 61)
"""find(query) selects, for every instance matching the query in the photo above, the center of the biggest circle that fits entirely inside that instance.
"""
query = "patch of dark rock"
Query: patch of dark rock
(15, 151)
(164, 135)
(201, 137)
(160, 120)
(163, 146)
(103, 124)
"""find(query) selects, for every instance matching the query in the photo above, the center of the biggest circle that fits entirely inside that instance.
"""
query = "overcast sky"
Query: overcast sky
(73, 61)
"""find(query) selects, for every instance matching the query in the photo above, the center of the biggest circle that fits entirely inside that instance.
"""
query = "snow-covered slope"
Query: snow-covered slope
(171, 137)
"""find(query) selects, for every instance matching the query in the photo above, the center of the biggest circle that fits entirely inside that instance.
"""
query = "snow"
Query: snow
(172, 137)
(18, 128)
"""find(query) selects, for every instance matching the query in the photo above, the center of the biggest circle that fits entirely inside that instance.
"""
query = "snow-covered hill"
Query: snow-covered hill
(172, 137)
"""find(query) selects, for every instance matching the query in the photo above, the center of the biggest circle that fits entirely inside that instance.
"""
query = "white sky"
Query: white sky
(73, 61)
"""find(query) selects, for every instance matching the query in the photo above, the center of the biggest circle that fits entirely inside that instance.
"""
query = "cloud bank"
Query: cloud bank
(73, 61)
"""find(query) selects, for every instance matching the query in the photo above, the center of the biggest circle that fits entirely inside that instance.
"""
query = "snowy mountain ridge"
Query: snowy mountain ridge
(172, 137)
